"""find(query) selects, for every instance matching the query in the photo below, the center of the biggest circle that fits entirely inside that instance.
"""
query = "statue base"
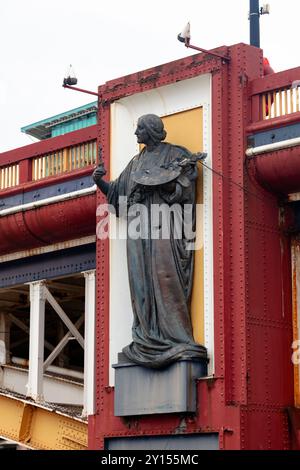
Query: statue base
(143, 391)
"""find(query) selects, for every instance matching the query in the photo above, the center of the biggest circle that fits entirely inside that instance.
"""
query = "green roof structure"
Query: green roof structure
(69, 121)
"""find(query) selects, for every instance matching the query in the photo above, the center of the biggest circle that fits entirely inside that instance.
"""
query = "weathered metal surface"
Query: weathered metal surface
(55, 389)
(48, 249)
(47, 266)
(246, 65)
(274, 81)
(187, 442)
(41, 427)
(185, 68)
(278, 171)
(263, 126)
(141, 391)
(48, 224)
(245, 402)
(274, 135)
(269, 310)
(45, 192)
(264, 428)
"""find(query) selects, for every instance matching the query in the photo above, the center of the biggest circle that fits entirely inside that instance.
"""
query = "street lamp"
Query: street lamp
(185, 37)
(70, 80)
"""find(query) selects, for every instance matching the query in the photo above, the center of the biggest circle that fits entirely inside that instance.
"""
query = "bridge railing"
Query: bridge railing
(9, 176)
(276, 97)
(49, 158)
(66, 159)
(281, 102)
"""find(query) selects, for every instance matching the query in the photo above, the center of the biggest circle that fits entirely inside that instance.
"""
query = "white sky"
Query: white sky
(108, 39)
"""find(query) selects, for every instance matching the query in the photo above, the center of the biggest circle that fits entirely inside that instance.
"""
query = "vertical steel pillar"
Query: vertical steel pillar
(4, 338)
(89, 344)
(36, 340)
(254, 23)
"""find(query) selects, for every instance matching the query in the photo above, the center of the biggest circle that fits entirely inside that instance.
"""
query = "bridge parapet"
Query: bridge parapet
(57, 157)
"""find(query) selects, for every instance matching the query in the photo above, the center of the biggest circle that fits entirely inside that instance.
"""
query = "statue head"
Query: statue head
(150, 129)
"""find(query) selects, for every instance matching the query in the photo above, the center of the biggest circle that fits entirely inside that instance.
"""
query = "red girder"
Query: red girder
(278, 171)
(245, 402)
(48, 224)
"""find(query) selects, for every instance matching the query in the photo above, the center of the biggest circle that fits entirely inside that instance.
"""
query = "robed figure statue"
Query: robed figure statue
(160, 269)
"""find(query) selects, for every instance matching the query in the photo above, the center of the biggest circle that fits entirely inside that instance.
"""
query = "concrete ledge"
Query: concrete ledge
(143, 391)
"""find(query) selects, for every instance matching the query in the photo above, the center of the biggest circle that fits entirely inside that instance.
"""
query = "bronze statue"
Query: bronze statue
(160, 269)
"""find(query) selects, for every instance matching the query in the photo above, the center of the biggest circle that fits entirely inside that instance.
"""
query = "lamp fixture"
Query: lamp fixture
(185, 37)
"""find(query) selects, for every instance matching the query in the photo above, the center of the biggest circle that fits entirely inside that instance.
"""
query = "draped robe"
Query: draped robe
(160, 270)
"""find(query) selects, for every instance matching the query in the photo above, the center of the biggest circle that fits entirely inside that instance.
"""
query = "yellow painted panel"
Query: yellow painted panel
(40, 428)
(55, 431)
(11, 413)
(186, 129)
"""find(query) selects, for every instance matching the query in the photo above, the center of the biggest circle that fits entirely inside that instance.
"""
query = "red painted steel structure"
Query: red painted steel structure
(280, 173)
(60, 221)
(246, 400)
(48, 224)
(48, 145)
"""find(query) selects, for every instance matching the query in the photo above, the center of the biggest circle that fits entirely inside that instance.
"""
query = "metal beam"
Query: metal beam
(57, 285)
(18, 343)
(64, 317)
(56, 351)
(39, 427)
(89, 344)
(46, 249)
(25, 328)
(4, 338)
(49, 200)
(36, 340)
(19, 323)
(64, 263)
(56, 388)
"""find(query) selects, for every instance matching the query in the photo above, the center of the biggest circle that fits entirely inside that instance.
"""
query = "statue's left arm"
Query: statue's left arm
(182, 188)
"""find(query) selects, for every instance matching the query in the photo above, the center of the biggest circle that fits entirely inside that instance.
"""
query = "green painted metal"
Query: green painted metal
(69, 121)
(74, 125)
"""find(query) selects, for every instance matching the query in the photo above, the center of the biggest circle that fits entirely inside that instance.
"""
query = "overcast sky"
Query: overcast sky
(108, 39)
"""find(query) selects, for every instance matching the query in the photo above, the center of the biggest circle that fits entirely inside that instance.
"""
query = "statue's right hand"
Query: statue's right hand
(99, 173)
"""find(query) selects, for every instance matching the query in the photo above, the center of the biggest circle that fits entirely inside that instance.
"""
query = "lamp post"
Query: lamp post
(254, 18)
(185, 37)
(70, 87)
(69, 83)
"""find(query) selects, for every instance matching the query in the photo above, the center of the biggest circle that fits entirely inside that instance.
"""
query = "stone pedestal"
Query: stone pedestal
(143, 391)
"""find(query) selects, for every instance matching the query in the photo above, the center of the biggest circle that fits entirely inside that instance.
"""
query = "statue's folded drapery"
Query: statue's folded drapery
(160, 269)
